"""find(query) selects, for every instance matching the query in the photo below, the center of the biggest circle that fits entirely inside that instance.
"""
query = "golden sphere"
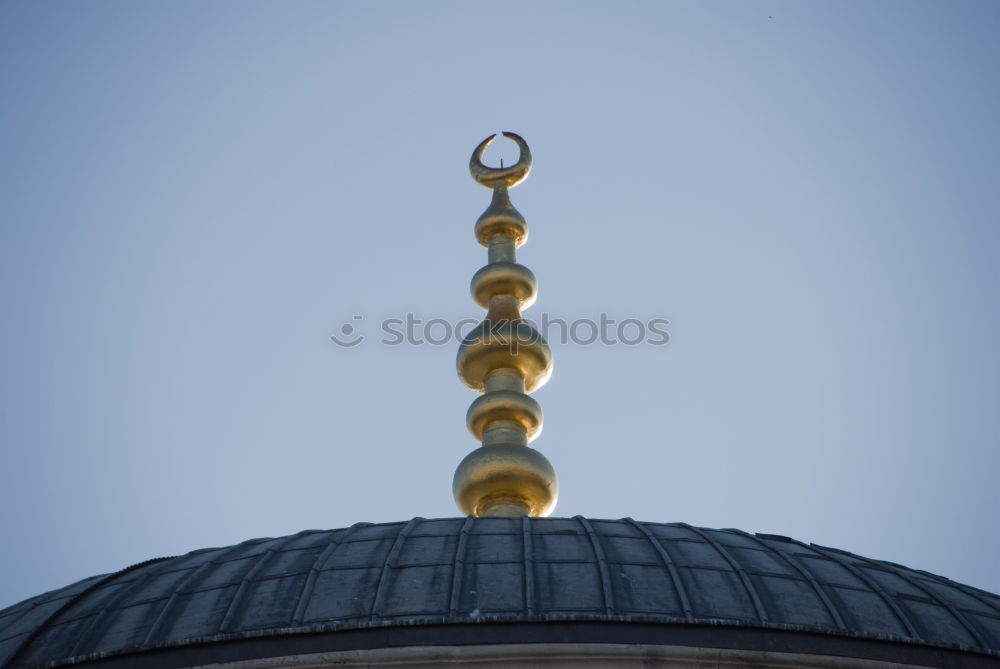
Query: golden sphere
(504, 278)
(504, 344)
(505, 405)
(501, 218)
(505, 479)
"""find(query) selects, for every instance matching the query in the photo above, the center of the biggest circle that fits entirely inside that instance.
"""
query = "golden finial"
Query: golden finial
(504, 358)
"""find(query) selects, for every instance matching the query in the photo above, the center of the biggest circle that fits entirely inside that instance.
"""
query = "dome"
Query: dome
(462, 581)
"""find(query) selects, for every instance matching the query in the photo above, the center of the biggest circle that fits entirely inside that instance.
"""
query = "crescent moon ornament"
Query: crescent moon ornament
(491, 177)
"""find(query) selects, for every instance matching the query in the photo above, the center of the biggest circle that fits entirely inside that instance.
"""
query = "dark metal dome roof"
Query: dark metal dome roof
(400, 577)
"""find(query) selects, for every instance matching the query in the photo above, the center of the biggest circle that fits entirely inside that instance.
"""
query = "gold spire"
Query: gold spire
(504, 357)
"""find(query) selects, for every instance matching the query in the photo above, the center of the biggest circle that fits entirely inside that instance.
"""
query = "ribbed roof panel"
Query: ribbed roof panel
(463, 570)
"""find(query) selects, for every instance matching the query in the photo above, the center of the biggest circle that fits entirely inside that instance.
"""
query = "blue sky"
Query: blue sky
(196, 196)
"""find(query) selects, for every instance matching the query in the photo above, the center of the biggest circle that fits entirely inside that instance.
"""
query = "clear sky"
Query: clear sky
(197, 195)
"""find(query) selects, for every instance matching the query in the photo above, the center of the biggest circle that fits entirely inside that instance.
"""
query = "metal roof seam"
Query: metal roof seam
(969, 627)
(244, 585)
(93, 630)
(459, 566)
(528, 555)
(602, 565)
(38, 631)
(806, 574)
(387, 566)
(668, 561)
(885, 597)
(737, 567)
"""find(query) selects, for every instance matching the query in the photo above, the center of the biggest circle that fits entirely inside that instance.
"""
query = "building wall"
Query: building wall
(560, 656)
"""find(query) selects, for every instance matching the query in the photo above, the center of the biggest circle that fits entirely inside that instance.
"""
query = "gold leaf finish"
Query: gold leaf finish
(504, 358)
